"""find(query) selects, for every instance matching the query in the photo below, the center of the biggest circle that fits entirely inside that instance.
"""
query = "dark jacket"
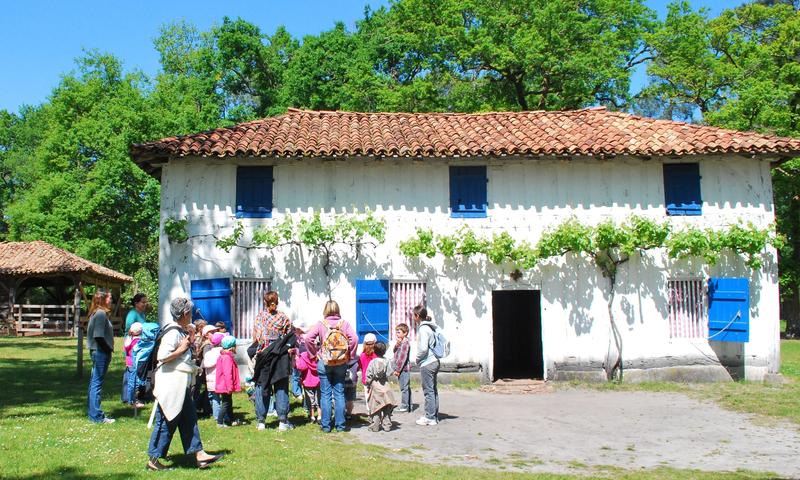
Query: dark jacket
(272, 363)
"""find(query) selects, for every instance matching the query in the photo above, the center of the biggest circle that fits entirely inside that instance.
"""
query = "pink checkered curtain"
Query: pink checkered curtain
(404, 297)
(248, 297)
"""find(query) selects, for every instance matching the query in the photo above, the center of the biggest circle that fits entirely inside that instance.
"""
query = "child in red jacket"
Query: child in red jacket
(227, 381)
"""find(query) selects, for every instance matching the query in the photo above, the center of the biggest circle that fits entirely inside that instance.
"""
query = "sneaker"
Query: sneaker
(108, 420)
(425, 421)
(401, 410)
(222, 425)
(261, 426)
(284, 426)
(138, 405)
(272, 414)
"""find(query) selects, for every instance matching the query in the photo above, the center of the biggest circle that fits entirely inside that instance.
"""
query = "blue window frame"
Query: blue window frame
(682, 189)
(372, 309)
(254, 192)
(468, 192)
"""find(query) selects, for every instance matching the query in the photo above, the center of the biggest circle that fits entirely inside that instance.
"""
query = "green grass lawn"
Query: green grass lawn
(44, 432)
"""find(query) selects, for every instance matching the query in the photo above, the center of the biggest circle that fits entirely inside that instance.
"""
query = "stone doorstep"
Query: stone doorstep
(517, 386)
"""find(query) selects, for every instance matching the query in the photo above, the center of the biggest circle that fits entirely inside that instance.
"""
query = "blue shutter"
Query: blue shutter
(468, 197)
(254, 192)
(212, 301)
(728, 310)
(372, 309)
(682, 189)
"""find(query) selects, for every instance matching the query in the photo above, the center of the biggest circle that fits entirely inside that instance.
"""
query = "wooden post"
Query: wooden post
(41, 319)
(78, 329)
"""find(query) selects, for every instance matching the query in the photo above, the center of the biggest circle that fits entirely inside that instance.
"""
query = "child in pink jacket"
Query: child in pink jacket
(227, 381)
(307, 366)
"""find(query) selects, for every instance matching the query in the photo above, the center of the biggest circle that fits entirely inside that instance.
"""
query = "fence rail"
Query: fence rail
(50, 320)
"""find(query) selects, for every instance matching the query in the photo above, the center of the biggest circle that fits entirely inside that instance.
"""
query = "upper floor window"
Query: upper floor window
(682, 189)
(254, 192)
(468, 192)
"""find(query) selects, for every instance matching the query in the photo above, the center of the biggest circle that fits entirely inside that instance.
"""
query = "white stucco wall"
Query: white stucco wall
(525, 197)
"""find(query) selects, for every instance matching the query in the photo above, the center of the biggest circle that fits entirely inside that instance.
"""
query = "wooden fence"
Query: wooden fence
(50, 320)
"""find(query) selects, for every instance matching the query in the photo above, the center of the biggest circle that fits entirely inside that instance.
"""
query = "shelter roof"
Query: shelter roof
(41, 258)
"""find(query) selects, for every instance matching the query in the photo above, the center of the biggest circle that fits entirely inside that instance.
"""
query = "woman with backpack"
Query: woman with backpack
(174, 407)
(338, 343)
(428, 365)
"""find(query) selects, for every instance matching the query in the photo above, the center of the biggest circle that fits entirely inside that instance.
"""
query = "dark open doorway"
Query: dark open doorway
(517, 322)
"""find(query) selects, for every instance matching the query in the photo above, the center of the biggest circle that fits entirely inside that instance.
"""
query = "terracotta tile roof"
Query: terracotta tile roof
(592, 131)
(41, 258)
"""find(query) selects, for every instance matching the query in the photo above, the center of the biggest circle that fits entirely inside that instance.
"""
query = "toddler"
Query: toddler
(307, 366)
(401, 366)
(380, 400)
(227, 381)
(129, 387)
(367, 355)
(210, 366)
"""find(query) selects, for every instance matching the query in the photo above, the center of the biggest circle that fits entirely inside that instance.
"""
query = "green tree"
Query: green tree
(739, 71)
(81, 191)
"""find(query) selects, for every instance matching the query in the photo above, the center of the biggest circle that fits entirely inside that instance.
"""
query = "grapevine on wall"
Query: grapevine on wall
(607, 244)
(351, 232)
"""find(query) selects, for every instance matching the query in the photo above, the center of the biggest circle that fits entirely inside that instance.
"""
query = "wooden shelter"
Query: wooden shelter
(61, 276)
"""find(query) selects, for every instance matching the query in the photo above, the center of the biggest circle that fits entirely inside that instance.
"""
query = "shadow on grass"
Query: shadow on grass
(47, 375)
(68, 473)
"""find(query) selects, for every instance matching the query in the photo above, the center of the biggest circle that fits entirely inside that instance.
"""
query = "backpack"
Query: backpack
(145, 354)
(441, 345)
(335, 349)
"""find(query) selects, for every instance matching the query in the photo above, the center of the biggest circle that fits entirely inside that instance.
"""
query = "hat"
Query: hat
(208, 329)
(216, 339)
(370, 338)
(179, 306)
(299, 323)
(228, 342)
(136, 328)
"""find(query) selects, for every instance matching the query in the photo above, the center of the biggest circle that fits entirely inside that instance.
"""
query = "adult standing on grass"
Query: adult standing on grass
(137, 313)
(174, 406)
(100, 338)
(428, 366)
(271, 325)
(331, 370)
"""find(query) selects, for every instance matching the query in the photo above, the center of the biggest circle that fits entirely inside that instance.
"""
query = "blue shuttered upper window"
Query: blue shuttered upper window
(254, 192)
(468, 192)
(682, 189)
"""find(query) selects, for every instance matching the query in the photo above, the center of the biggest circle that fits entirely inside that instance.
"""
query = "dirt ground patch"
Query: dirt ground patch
(574, 431)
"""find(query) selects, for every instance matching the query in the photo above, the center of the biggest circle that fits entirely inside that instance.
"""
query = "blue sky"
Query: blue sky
(43, 37)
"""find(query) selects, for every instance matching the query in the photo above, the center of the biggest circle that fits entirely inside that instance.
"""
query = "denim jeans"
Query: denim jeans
(127, 385)
(213, 398)
(185, 422)
(100, 361)
(430, 389)
(297, 387)
(225, 413)
(281, 396)
(405, 390)
(331, 386)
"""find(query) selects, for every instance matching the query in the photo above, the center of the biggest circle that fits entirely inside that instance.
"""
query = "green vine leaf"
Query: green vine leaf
(176, 230)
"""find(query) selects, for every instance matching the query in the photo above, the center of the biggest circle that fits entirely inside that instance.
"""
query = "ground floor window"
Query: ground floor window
(403, 297)
(688, 308)
(248, 294)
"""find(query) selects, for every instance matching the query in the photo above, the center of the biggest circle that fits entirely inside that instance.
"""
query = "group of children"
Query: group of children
(215, 351)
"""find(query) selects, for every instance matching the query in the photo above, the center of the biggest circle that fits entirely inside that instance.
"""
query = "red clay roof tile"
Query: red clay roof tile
(592, 131)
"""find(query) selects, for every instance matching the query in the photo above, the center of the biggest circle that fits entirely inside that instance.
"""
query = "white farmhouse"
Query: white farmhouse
(519, 173)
